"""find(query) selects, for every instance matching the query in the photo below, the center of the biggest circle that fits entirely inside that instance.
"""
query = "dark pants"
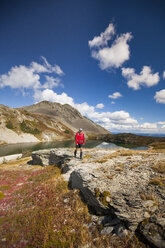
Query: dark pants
(79, 145)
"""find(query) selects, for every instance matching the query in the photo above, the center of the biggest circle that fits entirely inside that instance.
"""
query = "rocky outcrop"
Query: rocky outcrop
(153, 231)
(50, 157)
(10, 136)
(125, 187)
(8, 158)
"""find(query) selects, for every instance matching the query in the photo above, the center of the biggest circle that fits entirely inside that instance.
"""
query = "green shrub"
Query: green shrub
(9, 125)
(27, 129)
(36, 131)
(66, 131)
(26, 153)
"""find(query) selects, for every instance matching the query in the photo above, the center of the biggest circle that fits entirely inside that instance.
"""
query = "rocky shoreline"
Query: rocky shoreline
(124, 189)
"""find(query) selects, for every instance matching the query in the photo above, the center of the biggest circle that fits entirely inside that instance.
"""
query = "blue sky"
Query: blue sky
(105, 58)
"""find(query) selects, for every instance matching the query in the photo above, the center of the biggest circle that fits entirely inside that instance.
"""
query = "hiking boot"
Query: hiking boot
(81, 155)
(75, 153)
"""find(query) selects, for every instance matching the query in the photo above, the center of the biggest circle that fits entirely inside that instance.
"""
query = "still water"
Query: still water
(22, 147)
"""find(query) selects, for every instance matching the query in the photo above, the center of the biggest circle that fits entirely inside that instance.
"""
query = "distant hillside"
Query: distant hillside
(44, 121)
(134, 140)
(66, 115)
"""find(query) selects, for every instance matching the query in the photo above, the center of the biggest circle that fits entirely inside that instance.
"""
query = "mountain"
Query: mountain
(66, 115)
(44, 121)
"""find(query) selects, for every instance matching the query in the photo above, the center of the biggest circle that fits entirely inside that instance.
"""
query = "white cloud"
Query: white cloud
(24, 77)
(46, 67)
(100, 105)
(110, 56)
(115, 55)
(20, 77)
(161, 122)
(148, 126)
(112, 102)
(104, 37)
(50, 95)
(164, 75)
(56, 68)
(51, 82)
(38, 68)
(115, 95)
(160, 96)
(145, 78)
(85, 109)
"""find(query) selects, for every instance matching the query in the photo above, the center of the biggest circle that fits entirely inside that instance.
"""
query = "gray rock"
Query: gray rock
(50, 157)
(113, 222)
(146, 215)
(148, 204)
(107, 230)
(94, 218)
(121, 231)
(101, 220)
(154, 232)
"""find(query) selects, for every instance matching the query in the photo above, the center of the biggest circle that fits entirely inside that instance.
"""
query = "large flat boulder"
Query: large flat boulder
(50, 157)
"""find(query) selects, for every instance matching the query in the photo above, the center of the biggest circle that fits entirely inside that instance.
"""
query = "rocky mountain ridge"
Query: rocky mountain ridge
(66, 114)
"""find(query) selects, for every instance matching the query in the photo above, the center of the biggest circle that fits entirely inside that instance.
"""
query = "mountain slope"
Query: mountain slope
(19, 125)
(67, 115)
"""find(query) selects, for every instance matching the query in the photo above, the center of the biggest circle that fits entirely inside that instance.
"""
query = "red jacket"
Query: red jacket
(79, 138)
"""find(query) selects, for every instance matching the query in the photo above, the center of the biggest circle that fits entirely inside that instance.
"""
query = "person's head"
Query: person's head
(80, 130)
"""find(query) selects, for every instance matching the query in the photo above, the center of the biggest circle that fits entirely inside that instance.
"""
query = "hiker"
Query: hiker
(80, 141)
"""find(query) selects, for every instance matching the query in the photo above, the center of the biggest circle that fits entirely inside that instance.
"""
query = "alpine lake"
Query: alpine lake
(24, 148)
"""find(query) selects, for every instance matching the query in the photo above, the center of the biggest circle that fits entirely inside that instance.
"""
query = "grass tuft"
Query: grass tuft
(146, 197)
(133, 166)
(159, 167)
(87, 156)
(158, 181)
(100, 160)
(4, 187)
(1, 195)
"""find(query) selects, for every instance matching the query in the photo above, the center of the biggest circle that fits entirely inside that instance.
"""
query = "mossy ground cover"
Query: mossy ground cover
(38, 210)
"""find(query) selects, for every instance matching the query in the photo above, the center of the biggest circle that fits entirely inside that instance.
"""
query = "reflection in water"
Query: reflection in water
(24, 147)
(105, 145)
(140, 148)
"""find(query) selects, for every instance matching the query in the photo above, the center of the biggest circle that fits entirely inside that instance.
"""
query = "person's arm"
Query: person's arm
(76, 138)
(83, 138)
